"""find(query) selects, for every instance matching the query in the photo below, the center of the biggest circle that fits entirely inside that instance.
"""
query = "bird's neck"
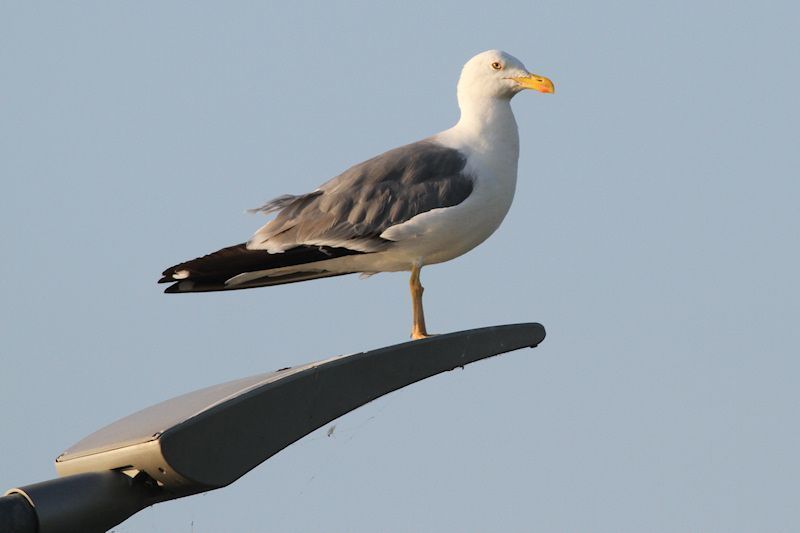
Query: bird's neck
(489, 121)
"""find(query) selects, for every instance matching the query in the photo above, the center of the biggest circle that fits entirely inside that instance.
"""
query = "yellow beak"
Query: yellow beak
(538, 83)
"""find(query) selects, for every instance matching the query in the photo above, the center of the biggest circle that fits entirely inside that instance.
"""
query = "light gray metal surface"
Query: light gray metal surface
(149, 423)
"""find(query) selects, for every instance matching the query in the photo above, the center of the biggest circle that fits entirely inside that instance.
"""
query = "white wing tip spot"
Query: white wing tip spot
(180, 274)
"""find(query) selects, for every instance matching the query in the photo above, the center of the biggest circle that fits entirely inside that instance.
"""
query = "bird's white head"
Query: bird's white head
(495, 74)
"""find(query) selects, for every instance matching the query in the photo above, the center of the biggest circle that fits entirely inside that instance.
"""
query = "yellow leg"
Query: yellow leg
(418, 330)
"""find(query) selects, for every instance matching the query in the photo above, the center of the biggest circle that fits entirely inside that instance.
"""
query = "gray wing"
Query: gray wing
(354, 208)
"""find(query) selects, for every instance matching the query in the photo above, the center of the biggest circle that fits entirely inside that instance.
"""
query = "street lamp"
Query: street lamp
(209, 438)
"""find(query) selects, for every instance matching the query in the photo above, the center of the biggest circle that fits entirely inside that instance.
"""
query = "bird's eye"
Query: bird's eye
(497, 65)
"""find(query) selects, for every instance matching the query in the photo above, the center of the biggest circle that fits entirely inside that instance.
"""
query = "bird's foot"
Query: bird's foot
(417, 335)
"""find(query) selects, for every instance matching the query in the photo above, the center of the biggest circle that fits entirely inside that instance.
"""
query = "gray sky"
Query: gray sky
(654, 233)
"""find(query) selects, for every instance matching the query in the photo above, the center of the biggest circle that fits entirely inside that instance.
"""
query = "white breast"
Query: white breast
(492, 151)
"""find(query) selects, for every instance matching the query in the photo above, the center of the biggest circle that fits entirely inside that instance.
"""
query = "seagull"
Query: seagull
(420, 204)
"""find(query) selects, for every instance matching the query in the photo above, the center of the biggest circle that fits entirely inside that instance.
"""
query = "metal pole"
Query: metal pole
(17, 515)
(89, 503)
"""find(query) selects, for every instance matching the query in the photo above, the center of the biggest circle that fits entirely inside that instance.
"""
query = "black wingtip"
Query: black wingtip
(210, 272)
(186, 286)
(172, 289)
